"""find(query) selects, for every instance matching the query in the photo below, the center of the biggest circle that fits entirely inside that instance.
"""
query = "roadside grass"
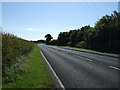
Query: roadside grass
(81, 48)
(35, 74)
(88, 49)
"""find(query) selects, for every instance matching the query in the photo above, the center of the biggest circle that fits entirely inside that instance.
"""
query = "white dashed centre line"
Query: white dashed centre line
(86, 59)
(114, 67)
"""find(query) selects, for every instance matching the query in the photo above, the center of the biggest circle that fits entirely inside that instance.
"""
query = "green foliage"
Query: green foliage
(70, 44)
(63, 38)
(81, 44)
(73, 36)
(104, 36)
(48, 38)
(107, 34)
(53, 42)
(13, 51)
(39, 41)
(35, 75)
(80, 35)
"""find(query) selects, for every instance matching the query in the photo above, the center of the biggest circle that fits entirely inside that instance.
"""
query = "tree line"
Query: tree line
(104, 36)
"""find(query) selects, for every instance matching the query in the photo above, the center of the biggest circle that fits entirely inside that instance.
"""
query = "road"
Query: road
(82, 70)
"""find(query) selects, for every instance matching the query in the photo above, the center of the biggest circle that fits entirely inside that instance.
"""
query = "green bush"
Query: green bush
(81, 44)
(71, 44)
(53, 42)
(13, 51)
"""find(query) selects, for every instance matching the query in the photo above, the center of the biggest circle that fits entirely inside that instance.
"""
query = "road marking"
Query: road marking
(86, 58)
(58, 80)
(114, 67)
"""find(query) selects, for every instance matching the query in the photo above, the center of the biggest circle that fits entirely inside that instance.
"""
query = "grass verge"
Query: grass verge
(35, 75)
(90, 50)
(81, 48)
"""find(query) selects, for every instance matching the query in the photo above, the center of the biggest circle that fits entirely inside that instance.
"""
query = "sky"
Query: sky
(33, 20)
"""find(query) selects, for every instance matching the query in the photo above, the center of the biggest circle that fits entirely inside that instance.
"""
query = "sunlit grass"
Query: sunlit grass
(80, 48)
(35, 75)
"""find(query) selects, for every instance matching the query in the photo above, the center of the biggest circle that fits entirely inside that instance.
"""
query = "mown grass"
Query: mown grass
(81, 48)
(35, 74)
(88, 49)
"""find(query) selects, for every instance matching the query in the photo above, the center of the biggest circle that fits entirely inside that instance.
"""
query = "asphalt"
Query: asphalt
(77, 69)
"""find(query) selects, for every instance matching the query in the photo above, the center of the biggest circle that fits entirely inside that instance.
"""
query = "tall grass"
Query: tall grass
(14, 50)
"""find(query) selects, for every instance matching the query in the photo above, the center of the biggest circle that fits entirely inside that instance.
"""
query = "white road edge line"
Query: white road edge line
(59, 81)
(114, 67)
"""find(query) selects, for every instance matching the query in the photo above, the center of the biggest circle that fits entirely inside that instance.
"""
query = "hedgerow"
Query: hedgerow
(14, 50)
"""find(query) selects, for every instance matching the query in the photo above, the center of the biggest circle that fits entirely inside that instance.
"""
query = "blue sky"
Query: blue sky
(33, 20)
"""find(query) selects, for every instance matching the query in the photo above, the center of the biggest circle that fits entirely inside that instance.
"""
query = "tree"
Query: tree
(63, 38)
(104, 36)
(107, 36)
(80, 36)
(40, 41)
(48, 38)
(73, 37)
